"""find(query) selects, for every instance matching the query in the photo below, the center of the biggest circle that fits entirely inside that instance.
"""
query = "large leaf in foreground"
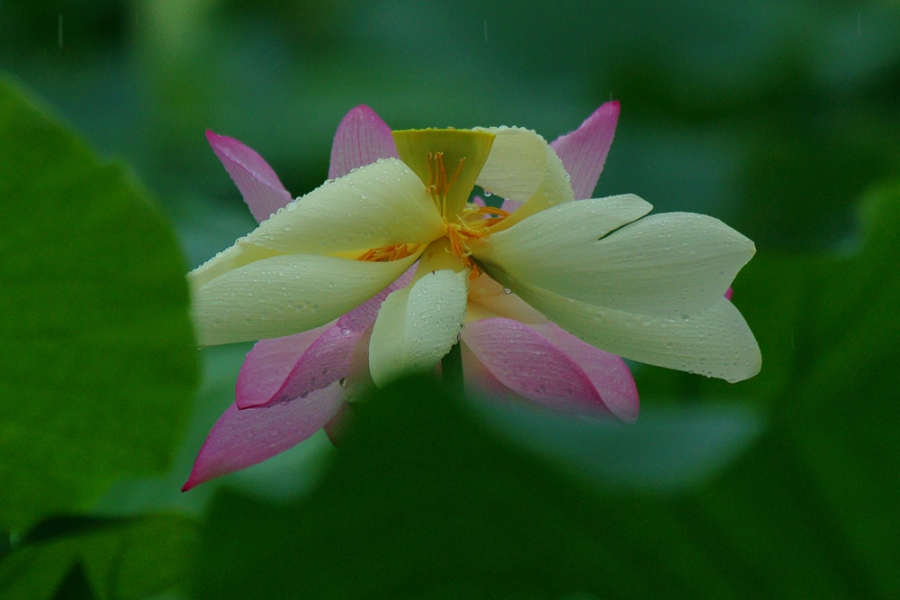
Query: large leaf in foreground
(426, 501)
(96, 349)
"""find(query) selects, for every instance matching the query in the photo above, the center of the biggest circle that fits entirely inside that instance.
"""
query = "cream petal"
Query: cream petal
(668, 264)
(242, 253)
(284, 295)
(418, 325)
(377, 205)
(517, 164)
(523, 167)
(487, 298)
(715, 342)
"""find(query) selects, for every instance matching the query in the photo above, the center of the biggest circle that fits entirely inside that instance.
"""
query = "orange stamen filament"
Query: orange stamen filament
(439, 185)
(471, 214)
(389, 253)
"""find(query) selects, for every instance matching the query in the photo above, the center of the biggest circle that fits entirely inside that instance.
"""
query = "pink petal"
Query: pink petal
(481, 382)
(282, 369)
(511, 206)
(608, 372)
(478, 201)
(269, 364)
(583, 151)
(258, 183)
(242, 438)
(361, 139)
(328, 359)
(729, 293)
(530, 365)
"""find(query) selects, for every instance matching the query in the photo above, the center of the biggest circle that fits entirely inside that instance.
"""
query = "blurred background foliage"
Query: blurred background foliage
(780, 118)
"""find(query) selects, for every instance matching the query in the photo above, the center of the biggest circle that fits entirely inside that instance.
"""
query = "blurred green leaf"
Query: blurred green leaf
(426, 501)
(421, 502)
(110, 559)
(668, 450)
(96, 349)
(75, 586)
(846, 418)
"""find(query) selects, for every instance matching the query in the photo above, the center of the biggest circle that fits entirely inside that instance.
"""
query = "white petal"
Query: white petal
(668, 264)
(523, 167)
(418, 325)
(240, 254)
(378, 205)
(516, 165)
(487, 298)
(284, 295)
(715, 342)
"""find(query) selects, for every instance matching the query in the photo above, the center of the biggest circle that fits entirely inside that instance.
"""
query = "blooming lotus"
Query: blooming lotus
(393, 250)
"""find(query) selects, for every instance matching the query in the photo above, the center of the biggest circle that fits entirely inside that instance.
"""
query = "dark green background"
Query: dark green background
(781, 118)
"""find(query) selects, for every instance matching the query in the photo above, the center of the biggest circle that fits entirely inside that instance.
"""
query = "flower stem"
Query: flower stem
(452, 369)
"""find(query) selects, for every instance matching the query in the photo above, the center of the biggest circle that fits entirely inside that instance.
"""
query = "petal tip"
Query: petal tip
(192, 482)
(362, 138)
(220, 142)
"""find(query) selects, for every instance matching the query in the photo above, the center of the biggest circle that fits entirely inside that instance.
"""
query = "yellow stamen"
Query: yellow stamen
(467, 228)
(389, 253)
(474, 214)
(439, 186)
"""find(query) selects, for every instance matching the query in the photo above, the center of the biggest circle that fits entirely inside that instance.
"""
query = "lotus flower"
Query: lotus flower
(650, 289)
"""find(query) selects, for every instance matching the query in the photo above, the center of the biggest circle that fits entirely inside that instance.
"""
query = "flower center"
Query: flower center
(448, 162)
(471, 225)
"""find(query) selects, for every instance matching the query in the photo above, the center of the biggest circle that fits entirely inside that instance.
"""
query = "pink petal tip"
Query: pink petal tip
(258, 183)
(583, 152)
(361, 139)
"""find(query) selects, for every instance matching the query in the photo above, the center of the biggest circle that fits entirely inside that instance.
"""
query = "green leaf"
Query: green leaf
(115, 559)
(426, 501)
(75, 586)
(845, 420)
(96, 349)
(421, 502)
